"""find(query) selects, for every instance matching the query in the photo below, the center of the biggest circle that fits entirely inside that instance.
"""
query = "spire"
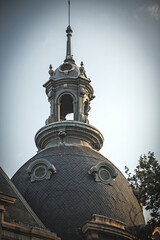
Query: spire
(69, 56)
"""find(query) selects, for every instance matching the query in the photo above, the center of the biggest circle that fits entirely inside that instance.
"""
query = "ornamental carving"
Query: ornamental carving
(40, 169)
(50, 93)
(103, 172)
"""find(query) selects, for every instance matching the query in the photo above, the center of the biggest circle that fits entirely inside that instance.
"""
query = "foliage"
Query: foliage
(146, 182)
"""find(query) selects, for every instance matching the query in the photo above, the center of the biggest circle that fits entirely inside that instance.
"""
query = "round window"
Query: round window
(40, 172)
(104, 174)
(66, 66)
(40, 169)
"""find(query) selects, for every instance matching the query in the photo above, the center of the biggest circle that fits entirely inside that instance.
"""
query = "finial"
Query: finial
(51, 72)
(81, 68)
(69, 56)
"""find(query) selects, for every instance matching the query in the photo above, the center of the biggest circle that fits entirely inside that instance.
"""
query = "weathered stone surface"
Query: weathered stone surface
(68, 133)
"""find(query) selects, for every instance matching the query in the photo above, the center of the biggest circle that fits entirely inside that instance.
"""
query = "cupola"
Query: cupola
(69, 93)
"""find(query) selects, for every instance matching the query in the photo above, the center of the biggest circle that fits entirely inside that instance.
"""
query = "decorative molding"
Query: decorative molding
(102, 227)
(40, 169)
(103, 172)
(75, 133)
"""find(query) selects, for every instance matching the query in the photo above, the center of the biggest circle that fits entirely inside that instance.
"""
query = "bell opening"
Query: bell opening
(66, 107)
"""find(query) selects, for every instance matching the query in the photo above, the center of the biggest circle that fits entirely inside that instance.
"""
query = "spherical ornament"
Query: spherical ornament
(82, 91)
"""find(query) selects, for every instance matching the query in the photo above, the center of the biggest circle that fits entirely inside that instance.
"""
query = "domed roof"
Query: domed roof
(67, 70)
(67, 199)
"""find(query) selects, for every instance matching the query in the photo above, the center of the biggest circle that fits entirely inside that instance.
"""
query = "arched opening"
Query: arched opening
(66, 107)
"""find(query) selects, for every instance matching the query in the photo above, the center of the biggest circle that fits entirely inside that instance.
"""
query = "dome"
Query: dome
(68, 70)
(68, 196)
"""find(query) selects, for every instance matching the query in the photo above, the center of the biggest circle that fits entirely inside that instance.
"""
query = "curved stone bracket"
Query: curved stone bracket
(103, 172)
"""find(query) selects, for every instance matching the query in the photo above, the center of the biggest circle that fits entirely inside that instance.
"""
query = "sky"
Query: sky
(119, 43)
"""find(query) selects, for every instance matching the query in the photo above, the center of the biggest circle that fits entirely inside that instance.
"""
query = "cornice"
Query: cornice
(68, 132)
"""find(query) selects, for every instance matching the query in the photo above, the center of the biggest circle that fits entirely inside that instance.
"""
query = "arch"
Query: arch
(58, 98)
(66, 105)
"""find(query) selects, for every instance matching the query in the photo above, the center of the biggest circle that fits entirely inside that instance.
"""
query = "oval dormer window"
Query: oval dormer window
(104, 174)
(40, 172)
(40, 169)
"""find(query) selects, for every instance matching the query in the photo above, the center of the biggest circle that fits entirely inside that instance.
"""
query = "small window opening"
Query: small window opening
(66, 108)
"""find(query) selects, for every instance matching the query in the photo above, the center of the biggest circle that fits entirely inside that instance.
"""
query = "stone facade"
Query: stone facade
(102, 228)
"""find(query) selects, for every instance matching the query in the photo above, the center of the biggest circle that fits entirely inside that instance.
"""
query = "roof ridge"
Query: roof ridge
(22, 199)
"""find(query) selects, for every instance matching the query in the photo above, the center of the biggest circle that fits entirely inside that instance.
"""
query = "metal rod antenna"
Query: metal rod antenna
(69, 56)
(69, 12)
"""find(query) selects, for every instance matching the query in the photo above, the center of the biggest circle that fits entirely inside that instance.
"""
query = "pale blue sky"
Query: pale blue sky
(119, 42)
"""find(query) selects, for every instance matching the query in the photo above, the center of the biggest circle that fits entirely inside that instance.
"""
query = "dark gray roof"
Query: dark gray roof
(19, 212)
(66, 201)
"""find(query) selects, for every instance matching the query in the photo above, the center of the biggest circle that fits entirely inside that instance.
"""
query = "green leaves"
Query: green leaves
(146, 180)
